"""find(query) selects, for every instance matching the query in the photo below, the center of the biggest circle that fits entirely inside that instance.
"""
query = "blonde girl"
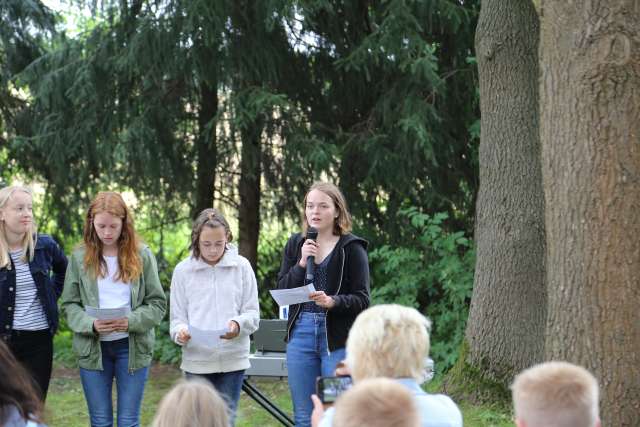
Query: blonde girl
(32, 270)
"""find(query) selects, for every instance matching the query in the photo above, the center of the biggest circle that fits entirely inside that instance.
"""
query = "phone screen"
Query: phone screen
(329, 388)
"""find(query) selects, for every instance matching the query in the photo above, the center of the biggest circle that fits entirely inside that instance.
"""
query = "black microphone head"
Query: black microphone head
(312, 233)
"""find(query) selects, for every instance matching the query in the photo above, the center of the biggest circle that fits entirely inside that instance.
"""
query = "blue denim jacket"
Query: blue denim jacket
(48, 268)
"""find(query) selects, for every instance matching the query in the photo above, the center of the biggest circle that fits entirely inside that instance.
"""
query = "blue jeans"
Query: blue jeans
(97, 387)
(228, 385)
(308, 357)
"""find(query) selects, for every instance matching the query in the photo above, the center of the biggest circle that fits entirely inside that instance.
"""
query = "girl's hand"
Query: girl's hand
(183, 336)
(233, 330)
(120, 325)
(309, 248)
(322, 299)
(103, 326)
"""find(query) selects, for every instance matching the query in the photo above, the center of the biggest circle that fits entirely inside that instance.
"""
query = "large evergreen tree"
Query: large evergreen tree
(392, 97)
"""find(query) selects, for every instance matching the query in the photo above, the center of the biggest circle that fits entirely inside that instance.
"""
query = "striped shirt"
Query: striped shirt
(28, 314)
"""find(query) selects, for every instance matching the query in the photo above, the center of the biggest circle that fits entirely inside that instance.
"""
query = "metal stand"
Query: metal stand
(262, 400)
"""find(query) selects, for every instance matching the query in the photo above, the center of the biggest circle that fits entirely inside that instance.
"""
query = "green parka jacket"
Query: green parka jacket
(148, 305)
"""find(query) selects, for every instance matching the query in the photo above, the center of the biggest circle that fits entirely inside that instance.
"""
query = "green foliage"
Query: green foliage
(270, 248)
(433, 272)
(165, 350)
(62, 351)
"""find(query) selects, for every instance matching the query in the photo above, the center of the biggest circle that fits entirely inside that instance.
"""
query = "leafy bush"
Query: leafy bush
(165, 350)
(433, 272)
(270, 249)
(62, 351)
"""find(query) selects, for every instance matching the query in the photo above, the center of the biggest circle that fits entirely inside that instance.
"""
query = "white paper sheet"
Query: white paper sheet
(108, 313)
(205, 338)
(293, 296)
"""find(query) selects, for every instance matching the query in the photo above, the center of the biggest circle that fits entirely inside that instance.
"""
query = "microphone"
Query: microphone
(312, 234)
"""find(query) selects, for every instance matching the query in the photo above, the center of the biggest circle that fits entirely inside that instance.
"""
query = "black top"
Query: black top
(347, 283)
(319, 283)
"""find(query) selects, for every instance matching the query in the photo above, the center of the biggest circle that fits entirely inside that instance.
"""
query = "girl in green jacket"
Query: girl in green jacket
(113, 299)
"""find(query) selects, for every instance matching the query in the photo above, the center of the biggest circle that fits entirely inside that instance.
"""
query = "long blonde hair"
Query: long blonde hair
(192, 403)
(30, 237)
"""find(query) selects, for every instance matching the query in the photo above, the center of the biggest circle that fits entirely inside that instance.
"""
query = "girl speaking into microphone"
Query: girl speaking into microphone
(317, 330)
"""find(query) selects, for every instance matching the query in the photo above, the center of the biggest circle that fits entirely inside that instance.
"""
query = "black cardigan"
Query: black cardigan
(347, 283)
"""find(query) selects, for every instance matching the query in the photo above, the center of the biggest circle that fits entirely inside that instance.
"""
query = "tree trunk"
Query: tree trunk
(505, 330)
(249, 189)
(590, 134)
(206, 150)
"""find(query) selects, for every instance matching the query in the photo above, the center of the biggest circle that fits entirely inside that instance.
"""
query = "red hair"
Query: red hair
(129, 261)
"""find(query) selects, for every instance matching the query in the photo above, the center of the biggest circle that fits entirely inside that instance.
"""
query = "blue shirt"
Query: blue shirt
(14, 419)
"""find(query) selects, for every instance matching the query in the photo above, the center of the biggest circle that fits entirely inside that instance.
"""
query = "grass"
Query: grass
(66, 406)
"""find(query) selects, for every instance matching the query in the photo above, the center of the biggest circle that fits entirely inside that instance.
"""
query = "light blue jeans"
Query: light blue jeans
(308, 358)
(97, 387)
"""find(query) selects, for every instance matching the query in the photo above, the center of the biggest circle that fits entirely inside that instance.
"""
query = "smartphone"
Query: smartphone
(329, 388)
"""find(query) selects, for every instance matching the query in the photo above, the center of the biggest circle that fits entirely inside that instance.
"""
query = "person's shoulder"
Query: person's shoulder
(183, 266)
(295, 238)
(45, 241)
(78, 252)
(440, 404)
(351, 241)
(146, 253)
(243, 262)
(232, 258)
(14, 419)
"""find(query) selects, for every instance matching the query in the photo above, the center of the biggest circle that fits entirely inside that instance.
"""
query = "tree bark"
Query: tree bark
(505, 329)
(206, 150)
(249, 191)
(590, 134)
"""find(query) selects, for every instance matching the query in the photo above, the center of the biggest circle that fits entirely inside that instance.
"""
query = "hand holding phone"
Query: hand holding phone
(329, 388)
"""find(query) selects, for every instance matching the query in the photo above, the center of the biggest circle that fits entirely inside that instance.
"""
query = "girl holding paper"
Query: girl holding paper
(32, 268)
(317, 330)
(113, 272)
(214, 289)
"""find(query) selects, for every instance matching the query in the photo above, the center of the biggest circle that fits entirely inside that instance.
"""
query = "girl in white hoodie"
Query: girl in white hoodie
(214, 289)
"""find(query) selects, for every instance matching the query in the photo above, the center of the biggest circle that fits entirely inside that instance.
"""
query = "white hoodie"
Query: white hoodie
(208, 297)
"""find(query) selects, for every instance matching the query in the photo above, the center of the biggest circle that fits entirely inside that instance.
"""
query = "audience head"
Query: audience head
(388, 340)
(192, 403)
(17, 390)
(376, 402)
(555, 394)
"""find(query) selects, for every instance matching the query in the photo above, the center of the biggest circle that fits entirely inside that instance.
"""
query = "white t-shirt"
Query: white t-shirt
(28, 313)
(113, 293)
